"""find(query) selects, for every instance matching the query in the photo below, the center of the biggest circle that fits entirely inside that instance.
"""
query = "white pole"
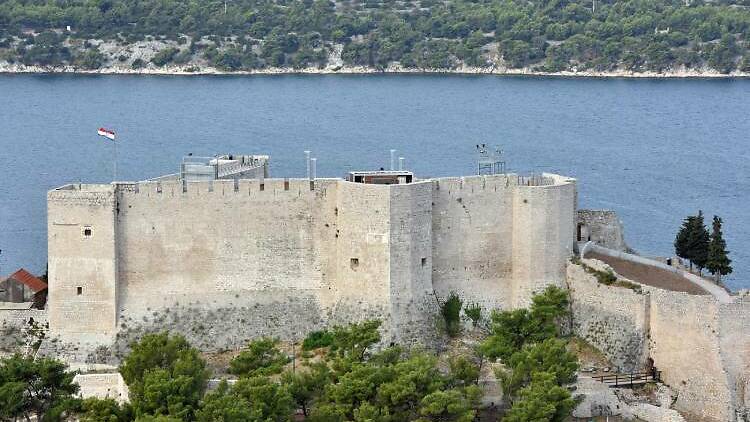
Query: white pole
(115, 160)
(393, 159)
(400, 163)
(307, 160)
(313, 168)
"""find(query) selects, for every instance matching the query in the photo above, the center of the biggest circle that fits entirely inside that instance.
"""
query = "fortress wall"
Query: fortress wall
(411, 294)
(543, 236)
(612, 319)
(734, 329)
(223, 262)
(77, 261)
(685, 348)
(362, 239)
(602, 227)
(472, 229)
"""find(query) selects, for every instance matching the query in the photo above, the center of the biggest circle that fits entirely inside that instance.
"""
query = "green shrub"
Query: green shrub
(474, 312)
(165, 56)
(609, 278)
(261, 357)
(90, 60)
(317, 339)
(451, 312)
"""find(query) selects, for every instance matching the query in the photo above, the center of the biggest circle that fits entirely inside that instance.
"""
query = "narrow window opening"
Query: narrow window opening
(87, 232)
(286, 184)
(79, 290)
(424, 261)
(262, 187)
(354, 263)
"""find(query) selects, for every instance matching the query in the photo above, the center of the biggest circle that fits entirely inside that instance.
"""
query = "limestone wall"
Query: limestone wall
(602, 227)
(472, 239)
(734, 329)
(700, 343)
(82, 262)
(15, 327)
(362, 241)
(543, 229)
(410, 292)
(102, 386)
(685, 346)
(613, 319)
(227, 260)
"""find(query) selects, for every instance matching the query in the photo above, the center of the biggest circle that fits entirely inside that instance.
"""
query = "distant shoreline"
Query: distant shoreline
(356, 70)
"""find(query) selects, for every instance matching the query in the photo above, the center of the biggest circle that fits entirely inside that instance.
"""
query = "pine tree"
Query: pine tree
(718, 261)
(682, 239)
(698, 244)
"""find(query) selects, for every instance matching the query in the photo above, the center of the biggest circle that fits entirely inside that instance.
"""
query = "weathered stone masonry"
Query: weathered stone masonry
(224, 261)
(700, 345)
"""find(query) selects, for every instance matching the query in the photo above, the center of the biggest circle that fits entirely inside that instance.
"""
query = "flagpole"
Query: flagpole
(115, 160)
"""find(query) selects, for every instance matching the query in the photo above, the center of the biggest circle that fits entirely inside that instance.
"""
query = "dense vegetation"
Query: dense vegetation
(341, 376)
(543, 35)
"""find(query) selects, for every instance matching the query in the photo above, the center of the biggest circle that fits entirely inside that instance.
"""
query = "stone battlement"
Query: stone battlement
(455, 186)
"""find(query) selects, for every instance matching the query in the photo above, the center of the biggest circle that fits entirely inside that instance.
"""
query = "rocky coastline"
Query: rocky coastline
(193, 69)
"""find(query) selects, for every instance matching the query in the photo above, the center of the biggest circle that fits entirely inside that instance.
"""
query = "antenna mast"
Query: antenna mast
(489, 161)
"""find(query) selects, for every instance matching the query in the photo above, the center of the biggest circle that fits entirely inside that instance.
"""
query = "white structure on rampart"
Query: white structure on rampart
(223, 261)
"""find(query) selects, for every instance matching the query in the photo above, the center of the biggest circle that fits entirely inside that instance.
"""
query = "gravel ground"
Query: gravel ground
(649, 276)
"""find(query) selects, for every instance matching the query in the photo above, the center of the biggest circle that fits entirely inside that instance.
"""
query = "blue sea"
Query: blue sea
(654, 150)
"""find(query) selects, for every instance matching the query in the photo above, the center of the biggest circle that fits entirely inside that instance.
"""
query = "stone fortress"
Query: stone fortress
(222, 253)
(292, 255)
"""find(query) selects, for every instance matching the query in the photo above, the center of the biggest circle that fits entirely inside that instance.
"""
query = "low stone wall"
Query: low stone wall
(16, 326)
(102, 386)
(612, 319)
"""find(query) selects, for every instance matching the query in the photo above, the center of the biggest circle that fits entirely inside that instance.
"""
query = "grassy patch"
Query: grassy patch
(609, 278)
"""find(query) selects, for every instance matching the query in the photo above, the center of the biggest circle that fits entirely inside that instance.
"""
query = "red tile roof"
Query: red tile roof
(23, 276)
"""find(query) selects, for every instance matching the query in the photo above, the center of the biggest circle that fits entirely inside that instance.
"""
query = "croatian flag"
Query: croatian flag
(106, 133)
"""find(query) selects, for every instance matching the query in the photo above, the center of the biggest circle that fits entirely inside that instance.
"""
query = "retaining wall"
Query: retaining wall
(613, 319)
(15, 325)
(700, 344)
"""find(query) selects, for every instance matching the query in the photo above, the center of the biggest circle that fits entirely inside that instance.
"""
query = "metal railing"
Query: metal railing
(535, 180)
(630, 379)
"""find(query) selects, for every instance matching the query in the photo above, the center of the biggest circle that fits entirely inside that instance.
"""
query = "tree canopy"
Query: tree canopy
(261, 357)
(692, 240)
(538, 364)
(546, 35)
(42, 388)
(718, 262)
(346, 374)
(165, 376)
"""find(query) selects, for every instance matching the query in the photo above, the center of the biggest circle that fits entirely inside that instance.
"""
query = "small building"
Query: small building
(381, 177)
(22, 286)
